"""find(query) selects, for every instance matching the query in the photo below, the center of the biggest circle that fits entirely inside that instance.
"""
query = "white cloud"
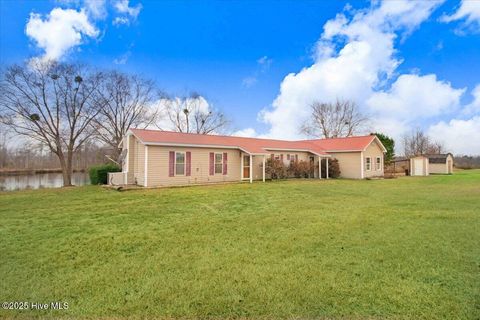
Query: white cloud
(60, 31)
(354, 58)
(474, 106)
(459, 136)
(120, 20)
(469, 11)
(123, 58)
(247, 132)
(410, 97)
(123, 7)
(96, 8)
(249, 81)
(263, 64)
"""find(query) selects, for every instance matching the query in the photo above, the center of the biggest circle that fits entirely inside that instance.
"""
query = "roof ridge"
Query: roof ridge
(217, 135)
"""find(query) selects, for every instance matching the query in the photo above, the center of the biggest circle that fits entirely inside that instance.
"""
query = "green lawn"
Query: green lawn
(403, 248)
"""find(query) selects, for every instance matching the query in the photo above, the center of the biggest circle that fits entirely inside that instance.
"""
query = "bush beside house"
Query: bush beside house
(99, 174)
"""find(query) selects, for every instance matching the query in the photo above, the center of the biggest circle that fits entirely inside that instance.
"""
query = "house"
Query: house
(154, 158)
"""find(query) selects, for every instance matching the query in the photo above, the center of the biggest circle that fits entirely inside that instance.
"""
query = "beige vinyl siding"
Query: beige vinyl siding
(139, 163)
(130, 146)
(350, 164)
(437, 167)
(158, 166)
(442, 168)
(373, 151)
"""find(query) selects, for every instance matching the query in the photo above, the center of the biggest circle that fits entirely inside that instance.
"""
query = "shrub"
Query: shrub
(333, 168)
(98, 174)
(276, 169)
(300, 169)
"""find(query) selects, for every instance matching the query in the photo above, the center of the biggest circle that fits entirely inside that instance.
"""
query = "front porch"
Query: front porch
(253, 166)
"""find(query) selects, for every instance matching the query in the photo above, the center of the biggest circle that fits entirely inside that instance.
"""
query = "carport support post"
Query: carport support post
(326, 173)
(264, 156)
(251, 165)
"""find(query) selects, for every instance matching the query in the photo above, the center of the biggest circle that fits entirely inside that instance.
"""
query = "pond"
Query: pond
(39, 180)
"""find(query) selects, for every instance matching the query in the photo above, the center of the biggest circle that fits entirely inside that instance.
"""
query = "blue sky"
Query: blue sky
(238, 55)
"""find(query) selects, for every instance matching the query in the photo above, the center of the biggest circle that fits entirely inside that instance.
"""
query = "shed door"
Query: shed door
(418, 167)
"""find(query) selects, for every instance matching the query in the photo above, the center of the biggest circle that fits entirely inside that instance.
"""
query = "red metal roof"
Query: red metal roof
(357, 143)
(252, 145)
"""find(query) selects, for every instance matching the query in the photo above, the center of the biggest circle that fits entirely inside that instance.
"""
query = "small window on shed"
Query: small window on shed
(378, 163)
(368, 163)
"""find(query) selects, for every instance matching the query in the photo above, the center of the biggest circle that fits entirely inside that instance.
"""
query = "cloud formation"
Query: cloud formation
(354, 56)
(59, 31)
(469, 11)
(459, 136)
(355, 59)
(263, 64)
(129, 13)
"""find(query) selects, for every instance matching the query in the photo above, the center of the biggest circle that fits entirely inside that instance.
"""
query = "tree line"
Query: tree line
(65, 106)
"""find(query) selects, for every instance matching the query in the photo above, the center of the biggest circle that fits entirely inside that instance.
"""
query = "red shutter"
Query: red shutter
(224, 163)
(171, 164)
(296, 158)
(212, 164)
(188, 170)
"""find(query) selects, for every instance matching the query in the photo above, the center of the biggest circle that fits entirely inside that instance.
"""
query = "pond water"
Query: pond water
(40, 180)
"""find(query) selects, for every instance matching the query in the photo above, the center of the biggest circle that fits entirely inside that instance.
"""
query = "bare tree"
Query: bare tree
(52, 103)
(332, 120)
(418, 142)
(128, 102)
(193, 114)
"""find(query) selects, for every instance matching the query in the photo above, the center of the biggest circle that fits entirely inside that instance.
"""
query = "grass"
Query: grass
(403, 248)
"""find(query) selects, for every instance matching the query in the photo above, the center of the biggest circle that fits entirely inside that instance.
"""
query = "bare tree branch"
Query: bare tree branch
(52, 103)
(193, 114)
(332, 120)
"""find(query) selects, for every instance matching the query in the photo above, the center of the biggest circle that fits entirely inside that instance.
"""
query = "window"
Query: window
(277, 157)
(218, 163)
(378, 163)
(179, 163)
(368, 163)
(292, 158)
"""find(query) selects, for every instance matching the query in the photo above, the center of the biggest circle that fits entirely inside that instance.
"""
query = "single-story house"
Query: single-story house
(154, 158)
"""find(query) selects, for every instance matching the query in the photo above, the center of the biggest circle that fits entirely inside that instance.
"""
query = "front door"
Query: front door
(246, 167)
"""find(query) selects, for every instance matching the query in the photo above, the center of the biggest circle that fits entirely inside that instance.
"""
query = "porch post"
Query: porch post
(264, 156)
(251, 171)
(241, 166)
(319, 167)
(326, 173)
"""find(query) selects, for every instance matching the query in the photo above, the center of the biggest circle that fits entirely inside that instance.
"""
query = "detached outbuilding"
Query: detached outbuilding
(423, 165)
(440, 163)
(419, 166)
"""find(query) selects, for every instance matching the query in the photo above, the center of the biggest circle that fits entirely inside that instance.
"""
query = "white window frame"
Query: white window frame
(378, 163)
(368, 163)
(184, 163)
(215, 163)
